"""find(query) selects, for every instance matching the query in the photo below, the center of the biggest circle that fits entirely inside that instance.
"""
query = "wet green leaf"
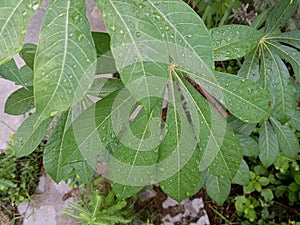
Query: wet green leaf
(10, 71)
(233, 41)
(217, 188)
(240, 127)
(260, 19)
(65, 57)
(242, 176)
(249, 146)
(268, 145)
(250, 68)
(53, 151)
(105, 59)
(102, 87)
(292, 38)
(295, 120)
(289, 54)
(287, 140)
(29, 137)
(26, 75)
(155, 35)
(179, 158)
(279, 15)
(279, 84)
(243, 98)
(14, 19)
(28, 53)
(20, 101)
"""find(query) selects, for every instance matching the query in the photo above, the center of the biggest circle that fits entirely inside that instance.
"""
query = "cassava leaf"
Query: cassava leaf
(279, 15)
(243, 98)
(229, 157)
(10, 71)
(20, 101)
(155, 35)
(250, 68)
(233, 41)
(105, 61)
(260, 19)
(125, 191)
(287, 140)
(53, 151)
(180, 176)
(292, 38)
(217, 188)
(240, 127)
(295, 120)
(279, 84)
(27, 53)
(82, 137)
(242, 176)
(26, 75)
(102, 87)
(216, 139)
(65, 58)
(268, 145)
(289, 54)
(84, 170)
(14, 19)
(28, 136)
(135, 156)
(249, 146)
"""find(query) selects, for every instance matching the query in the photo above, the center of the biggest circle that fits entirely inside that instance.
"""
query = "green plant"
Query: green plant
(96, 207)
(214, 12)
(259, 203)
(18, 180)
(163, 120)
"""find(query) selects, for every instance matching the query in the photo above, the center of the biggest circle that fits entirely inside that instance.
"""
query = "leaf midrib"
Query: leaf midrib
(10, 16)
(135, 45)
(63, 61)
(206, 123)
(182, 37)
(281, 132)
(280, 77)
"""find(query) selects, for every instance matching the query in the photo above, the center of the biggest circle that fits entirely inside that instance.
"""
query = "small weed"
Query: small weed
(18, 180)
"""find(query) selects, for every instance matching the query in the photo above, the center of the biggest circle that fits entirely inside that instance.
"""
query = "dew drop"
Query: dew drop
(161, 169)
(52, 114)
(156, 16)
(138, 34)
(80, 37)
(35, 6)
